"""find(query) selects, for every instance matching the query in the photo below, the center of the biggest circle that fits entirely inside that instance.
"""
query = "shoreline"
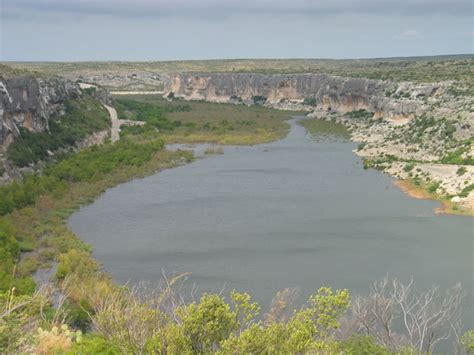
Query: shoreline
(418, 192)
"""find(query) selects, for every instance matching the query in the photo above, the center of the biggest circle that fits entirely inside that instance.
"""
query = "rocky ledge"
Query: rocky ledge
(420, 132)
(28, 102)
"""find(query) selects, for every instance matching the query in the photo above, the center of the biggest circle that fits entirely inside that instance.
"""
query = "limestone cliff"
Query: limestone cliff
(28, 102)
(331, 93)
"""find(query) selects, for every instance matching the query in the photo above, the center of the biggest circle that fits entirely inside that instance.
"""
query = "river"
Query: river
(300, 212)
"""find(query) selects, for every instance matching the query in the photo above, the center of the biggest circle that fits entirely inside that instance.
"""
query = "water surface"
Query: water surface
(297, 213)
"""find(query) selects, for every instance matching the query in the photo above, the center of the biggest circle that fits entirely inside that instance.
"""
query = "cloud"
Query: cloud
(217, 8)
(408, 35)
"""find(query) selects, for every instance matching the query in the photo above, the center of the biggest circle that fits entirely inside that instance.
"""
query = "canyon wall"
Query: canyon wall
(331, 93)
(28, 102)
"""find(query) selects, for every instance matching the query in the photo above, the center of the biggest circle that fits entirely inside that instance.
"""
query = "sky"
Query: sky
(143, 30)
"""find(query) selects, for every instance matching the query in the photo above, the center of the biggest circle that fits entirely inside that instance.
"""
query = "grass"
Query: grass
(321, 128)
(204, 122)
(214, 151)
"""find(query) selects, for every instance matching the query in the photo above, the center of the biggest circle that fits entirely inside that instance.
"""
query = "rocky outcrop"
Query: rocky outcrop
(331, 93)
(28, 102)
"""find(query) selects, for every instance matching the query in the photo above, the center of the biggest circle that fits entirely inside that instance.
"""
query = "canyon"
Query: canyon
(407, 129)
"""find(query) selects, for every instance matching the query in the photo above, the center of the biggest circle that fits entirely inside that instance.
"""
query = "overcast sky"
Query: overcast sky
(73, 30)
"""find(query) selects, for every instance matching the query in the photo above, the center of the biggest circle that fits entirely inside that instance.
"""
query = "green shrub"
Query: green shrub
(150, 113)
(94, 344)
(362, 345)
(465, 192)
(461, 171)
(75, 261)
(408, 167)
(259, 99)
(359, 114)
(310, 101)
(432, 188)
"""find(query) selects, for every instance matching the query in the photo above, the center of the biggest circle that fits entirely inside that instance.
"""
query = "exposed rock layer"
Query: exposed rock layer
(28, 102)
(332, 93)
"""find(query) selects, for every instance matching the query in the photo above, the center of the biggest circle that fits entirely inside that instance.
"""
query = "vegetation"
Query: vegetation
(204, 122)
(310, 101)
(259, 100)
(320, 128)
(35, 209)
(124, 320)
(83, 116)
(359, 114)
(214, 151)
(418, 69)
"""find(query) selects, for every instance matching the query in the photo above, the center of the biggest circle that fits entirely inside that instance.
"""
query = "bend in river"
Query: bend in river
(297, 213)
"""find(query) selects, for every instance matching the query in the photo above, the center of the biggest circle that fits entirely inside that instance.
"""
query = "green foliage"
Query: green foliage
(259, 99)
(17, 314)
(309, 329)
(83, 116)
(151, 113)
(432, 188)
(93, 163)
(9, 253)
(467, 340)
(320, 128)
(362, 345)
(89, 91)
(88, 165)
(206, 324)
(310, 101)
(408, 167)
(75, 261)
(95, 344)
(359, 114)
(459, 156)
(461, 171)
(467, 190)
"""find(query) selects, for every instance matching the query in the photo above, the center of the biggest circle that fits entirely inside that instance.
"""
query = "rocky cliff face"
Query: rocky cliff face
(28, 102)
(332, 93)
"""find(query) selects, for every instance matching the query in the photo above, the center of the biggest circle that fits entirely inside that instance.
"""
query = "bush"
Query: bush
(75, 261)
(461, 171)
(311, 101)
(467, 190)
(152, 114)
(259, 99)
(362, 345)
(359, 114)
(95, 344)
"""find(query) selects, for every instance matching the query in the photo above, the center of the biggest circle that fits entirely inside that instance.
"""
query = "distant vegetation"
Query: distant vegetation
(310, 101)
(419, 69)
(83, 116)
(204, 122)
(359, 114)
(320, 128)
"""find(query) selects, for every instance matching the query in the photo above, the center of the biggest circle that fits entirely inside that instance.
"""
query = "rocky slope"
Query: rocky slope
(423, 132)
(28, 102)
(331, 93)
